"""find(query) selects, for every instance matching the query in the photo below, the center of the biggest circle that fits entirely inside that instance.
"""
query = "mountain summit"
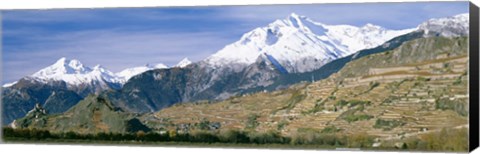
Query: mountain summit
(454, 26)
(301, 44)
(74, 73)
(184, 62)
(61, 67)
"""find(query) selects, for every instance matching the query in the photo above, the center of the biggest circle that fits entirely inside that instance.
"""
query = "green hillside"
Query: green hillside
(91, 115)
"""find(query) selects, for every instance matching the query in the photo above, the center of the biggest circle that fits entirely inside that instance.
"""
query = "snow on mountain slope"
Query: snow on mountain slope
(448, 27)
(184, 62)
(9, 84)
(130, 72)
(61, 67)
(301, 44)
(74, 73)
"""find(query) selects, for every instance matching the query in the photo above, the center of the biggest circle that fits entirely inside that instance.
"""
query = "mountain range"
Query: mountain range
(74, 73)
(300, 44)
(285, 52)
(394, 93)
(61, 85)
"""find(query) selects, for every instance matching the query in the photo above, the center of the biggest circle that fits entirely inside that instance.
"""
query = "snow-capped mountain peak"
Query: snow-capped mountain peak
(296, 20)
(160, 66)
(184, 62)
(101, 69)
(61, 67)
(371, 27)
(294, 15)
(73, 72)
(301, 44)
(98, 67)
(453, 26)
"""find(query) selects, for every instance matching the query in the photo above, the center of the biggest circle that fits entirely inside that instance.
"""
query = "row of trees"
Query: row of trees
(445, 140)
(228, 136)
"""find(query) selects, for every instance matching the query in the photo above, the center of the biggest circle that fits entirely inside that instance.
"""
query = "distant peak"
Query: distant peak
(67, 62)
(63, 59)
(97, 67)
(160, 65)
(68, 66)
(75, 64)
(298, 21)
(184, 62)
(370, 27)
(452, 26)
(463, 15)
(297, 16)
(152, 66)
(293, 14)
(293, 17)
(61, 67)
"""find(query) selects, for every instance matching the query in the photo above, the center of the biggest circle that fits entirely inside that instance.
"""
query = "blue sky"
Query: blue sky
(119, 38)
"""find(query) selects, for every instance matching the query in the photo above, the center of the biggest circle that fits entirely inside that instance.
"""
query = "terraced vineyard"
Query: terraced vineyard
(418, 88)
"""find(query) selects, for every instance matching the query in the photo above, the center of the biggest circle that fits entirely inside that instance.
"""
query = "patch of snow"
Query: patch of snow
(9, 84)
(128, 73)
